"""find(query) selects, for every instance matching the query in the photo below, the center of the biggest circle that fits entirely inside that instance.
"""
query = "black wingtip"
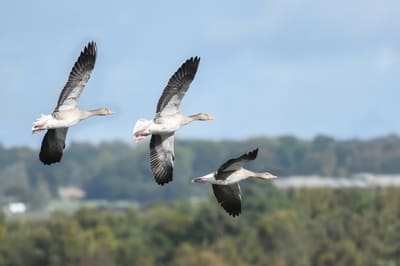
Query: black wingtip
(251, 155)
(194, 60)
(91, 43)
(190, 66)
(87, 58)
(90, 48)
(233, 211)
(162, 182)
(49, 160)
(234, 214)
(163, 177)
(233, 208)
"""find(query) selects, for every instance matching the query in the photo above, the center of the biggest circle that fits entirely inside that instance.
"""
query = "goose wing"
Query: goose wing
(162, 157)
(177, 86)
(78, 78)
(53, 144)
(228, 196)
(237, 163)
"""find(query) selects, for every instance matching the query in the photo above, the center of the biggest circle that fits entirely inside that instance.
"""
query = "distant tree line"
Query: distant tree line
(305, 227)
(117, 170)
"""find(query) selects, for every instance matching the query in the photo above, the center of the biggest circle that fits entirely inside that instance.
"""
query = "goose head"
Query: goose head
(265, 175)
(103, 111)
(202, 117)
(204, 179)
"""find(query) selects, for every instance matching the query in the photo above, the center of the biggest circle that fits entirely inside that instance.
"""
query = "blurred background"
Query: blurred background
(314, 85)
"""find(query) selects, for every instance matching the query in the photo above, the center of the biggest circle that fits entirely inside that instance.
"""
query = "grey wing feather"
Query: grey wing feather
(177, 86)
(78, 78)
(162, 157)
(228, 196)
(237, 163)
(53, 144)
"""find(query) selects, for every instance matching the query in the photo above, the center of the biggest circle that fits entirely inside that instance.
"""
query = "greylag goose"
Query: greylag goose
(67, 113)
(167, 120)
(225, 181)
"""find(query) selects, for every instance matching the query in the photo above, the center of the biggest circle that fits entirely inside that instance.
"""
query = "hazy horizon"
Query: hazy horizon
(146, 141)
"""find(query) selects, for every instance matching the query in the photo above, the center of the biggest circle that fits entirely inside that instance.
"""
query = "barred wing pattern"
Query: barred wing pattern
(228, 196)
(236, 163)
(78, 78)
(162, 157)
(177, 86)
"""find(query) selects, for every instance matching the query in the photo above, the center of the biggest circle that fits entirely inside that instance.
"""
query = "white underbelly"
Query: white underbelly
(168, 124)
(234, 177)
(164, 128)
(56, 123)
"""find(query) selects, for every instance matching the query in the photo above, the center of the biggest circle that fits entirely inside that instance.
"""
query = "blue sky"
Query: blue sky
(267, 67)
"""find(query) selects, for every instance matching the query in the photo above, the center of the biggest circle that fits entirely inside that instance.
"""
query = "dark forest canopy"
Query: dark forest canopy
(301, 227)
(117, 170)
(305, 227)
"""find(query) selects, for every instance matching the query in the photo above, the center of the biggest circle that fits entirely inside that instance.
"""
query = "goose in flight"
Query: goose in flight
(225, 181)
(67, 113)
(167, 120)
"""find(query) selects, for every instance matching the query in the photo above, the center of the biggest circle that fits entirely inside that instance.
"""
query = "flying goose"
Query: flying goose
(167, 120)
(225, 181)
(67, 113)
